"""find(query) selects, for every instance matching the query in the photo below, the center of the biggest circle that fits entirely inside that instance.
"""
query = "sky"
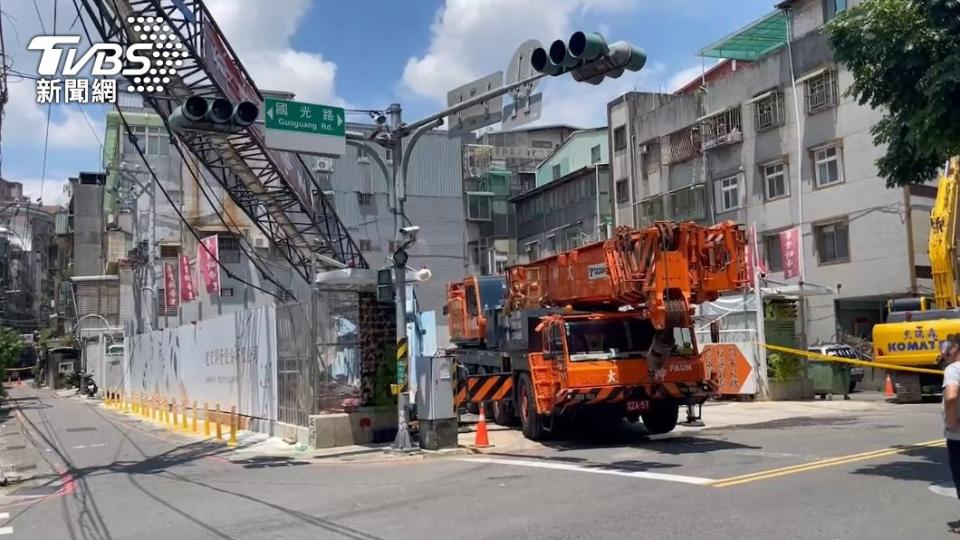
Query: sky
(366, 54)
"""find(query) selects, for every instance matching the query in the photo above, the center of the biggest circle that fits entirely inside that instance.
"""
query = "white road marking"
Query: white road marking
(6, 530)
(4, 515)
(98, 445)
(579, 468)
(78, 447)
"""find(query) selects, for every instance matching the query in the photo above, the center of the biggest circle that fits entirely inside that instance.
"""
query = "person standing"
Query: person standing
(950, 353)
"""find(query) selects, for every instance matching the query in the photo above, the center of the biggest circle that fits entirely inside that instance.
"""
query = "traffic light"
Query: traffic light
(588, 58)
(199, 113)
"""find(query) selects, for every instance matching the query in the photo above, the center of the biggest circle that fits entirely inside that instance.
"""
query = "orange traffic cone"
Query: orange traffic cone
(481, 440)
(888, 388)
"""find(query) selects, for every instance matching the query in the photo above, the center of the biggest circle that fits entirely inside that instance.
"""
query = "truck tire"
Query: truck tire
(503, 413)
(662, 416)
(530, 421)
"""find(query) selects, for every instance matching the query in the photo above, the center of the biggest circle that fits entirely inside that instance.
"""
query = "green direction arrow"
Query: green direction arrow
(313, 118)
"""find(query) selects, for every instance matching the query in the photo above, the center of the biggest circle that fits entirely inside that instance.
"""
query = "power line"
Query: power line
(46, 134)
(136, 144)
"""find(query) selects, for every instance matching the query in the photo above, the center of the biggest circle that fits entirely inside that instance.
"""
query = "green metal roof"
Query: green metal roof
(753, 41)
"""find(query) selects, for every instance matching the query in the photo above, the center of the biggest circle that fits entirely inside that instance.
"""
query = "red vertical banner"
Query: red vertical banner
(171, 300)
(187, 292)
(207, 256)
(790, 252)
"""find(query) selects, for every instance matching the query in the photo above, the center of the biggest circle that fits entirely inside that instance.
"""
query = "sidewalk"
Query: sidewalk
(24, 471)
(255, 450)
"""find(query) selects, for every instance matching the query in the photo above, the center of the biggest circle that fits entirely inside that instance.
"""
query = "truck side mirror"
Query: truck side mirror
(715, 332)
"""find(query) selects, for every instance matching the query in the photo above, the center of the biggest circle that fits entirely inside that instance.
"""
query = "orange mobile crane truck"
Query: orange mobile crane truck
(604, 327)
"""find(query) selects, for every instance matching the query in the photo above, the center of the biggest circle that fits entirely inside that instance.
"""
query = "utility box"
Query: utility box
(435, 412)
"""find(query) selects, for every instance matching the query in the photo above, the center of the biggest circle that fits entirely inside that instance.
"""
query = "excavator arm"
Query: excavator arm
(943, 236)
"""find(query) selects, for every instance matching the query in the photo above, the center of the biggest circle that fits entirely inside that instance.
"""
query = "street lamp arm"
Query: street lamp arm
(496, 92)
(360, 143)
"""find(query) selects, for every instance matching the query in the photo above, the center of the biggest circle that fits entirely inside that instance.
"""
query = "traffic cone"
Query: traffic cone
(888, 388)
(481, 440)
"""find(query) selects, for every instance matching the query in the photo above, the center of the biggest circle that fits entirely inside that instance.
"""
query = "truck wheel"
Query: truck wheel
(530, 421)
(662, 417)
(503, 413)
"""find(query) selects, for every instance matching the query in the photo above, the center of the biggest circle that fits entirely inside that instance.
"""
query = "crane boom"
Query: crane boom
(275, 189)
(661, 270)
(943, 237)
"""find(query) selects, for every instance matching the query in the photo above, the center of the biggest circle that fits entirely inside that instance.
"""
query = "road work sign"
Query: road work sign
(307, 128)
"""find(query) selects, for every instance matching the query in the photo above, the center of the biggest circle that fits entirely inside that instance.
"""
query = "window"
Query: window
(821, 91)
(771, 247)
(478, 207)
(827, 165)
(169, 252)
(153, 141)
(229, 247)
(650, 155)
(595, 154)
(361, 153)
(768, 111)
(556, 171)
(651, 210)
(832, 7)
(226, 292)
(552, 243)
(728, 193)
(620, 138)
(364, 199)
(722, 128)
(688, 203)
(541, 144)
(364, 244)
(623, 191)
(775, 180)
(833, 242)
(574, 236)
(533, 250)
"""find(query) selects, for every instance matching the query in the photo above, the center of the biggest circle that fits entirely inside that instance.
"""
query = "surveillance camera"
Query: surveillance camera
(412, 230)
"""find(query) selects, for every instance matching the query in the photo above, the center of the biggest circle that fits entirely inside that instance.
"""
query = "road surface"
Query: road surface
(881, 474)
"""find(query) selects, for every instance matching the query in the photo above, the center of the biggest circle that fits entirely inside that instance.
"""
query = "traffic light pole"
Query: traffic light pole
(398, 131)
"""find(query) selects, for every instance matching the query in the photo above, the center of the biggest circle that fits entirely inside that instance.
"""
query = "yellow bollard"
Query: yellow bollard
(166, 412)
(183, 420)
(194, 416)
(173, 410)
(126, 404)
(217, 421)
(206, 419)
(233, 426)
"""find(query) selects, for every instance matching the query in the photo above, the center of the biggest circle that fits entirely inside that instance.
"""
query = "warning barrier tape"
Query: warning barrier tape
(817, 357)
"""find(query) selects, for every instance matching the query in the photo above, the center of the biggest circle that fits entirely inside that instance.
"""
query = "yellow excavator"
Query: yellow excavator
(914, 329)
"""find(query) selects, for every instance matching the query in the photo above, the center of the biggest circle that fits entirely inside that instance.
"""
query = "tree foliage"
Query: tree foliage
(10, 347)
(905, 60)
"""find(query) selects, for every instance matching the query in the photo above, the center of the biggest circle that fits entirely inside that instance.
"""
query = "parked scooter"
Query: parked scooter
(88, 386)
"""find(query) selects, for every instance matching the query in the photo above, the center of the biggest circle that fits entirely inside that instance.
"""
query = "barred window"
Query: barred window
(821, 91)
(768, 112)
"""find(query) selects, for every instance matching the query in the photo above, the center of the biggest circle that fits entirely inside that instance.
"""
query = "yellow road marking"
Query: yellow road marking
(814, 465)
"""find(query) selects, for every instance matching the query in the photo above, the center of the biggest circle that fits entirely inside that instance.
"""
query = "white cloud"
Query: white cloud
(683, 78)
(470, 38)
(53, 190)
(260, 32)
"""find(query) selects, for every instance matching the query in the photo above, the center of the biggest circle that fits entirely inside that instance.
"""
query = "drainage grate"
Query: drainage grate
(76, 429)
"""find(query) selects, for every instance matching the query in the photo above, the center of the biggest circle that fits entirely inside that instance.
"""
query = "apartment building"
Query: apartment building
(498, 166)
(570, 205)
(775, 143)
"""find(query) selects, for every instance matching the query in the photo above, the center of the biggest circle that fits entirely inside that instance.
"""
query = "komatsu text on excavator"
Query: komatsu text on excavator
(602, 328)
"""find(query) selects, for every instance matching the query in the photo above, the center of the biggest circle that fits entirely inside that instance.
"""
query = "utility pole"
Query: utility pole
(151, 261)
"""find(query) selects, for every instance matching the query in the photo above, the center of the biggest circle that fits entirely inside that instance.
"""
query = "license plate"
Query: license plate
(638, 405)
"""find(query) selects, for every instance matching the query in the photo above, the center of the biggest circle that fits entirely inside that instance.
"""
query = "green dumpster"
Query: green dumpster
(830, 378)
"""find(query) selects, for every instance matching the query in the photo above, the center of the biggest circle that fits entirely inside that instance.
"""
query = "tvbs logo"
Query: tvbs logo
(148, 64)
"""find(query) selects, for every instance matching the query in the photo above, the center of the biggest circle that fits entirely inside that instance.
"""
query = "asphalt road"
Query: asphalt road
(123, 479)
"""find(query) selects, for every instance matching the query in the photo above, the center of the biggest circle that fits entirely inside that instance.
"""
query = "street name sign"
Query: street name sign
(307, 128)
